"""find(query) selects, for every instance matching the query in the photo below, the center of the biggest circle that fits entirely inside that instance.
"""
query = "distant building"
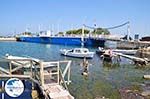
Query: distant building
(147, 38)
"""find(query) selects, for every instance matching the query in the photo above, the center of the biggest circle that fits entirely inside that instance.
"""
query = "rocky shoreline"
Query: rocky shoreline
(144, 52)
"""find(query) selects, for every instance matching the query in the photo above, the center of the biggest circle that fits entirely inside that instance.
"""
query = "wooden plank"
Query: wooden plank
(17, 68)
(58, 68)
(51, 73)
(68, 76)
(66, 69)
(57, 92)
(16, 76)
(4, 70)
(41, 73)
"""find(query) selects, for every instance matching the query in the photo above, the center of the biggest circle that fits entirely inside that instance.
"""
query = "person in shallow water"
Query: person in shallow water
(85, 65)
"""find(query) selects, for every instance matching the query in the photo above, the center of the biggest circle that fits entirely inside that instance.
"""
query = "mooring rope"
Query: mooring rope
(113, 27)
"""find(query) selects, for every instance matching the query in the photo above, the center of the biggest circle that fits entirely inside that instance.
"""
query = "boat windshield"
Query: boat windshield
(78, 51)
(71, 50)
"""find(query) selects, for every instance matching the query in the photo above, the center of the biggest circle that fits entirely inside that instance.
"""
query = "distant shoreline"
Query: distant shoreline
(8, 39)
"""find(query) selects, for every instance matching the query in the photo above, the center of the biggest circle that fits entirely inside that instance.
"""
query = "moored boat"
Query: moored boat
(62, 40)
(77, 52)
(123, 51)
(128, 52)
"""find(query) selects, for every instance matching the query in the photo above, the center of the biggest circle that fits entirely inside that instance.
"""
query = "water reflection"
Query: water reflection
(110, 65)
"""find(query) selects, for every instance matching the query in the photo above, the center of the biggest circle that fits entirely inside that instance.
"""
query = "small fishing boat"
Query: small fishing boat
(107, 56)
(77, 52)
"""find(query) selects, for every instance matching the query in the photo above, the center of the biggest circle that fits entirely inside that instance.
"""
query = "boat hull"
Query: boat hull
(124, 51)
(63, 40)
(77, 55)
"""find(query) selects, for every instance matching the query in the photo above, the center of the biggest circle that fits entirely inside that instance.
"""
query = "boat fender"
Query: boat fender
(85, 73)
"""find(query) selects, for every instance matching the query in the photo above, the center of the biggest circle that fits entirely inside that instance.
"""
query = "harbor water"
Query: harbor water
(104, 79)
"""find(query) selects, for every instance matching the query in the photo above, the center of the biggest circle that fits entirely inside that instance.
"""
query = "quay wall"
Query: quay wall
(8, 39)
(132, 44)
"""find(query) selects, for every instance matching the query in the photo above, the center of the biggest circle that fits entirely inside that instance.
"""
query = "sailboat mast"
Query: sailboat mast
(128, 31)
(82, 37)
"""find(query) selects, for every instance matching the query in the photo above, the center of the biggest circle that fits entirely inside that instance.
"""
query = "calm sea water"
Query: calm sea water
(103, 80)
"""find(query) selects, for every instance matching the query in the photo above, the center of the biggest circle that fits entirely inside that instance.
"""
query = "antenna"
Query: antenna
(95, 26)
(128, 31)
(82, 38)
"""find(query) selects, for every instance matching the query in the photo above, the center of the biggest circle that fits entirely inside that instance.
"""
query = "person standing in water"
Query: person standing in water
(85, 65)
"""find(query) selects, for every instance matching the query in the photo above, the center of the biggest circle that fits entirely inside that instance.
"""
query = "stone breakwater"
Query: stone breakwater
(144, 52)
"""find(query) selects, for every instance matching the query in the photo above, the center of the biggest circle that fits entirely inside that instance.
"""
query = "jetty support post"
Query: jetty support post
(31, 74)
(58, 68)
(41, 73)
(69, 69)
(10, 68)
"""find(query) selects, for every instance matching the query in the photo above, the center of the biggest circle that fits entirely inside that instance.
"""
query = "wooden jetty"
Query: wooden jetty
(49, 76)
(137, 60)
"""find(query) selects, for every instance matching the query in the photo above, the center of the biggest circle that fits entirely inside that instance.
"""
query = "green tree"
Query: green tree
(61, 33)
(71, 32)
(101, 31)
(77, 31)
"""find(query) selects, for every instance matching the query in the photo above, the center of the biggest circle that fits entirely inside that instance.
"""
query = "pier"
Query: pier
(7, 39)
(132, 44)
(137, 60)
(49, 76)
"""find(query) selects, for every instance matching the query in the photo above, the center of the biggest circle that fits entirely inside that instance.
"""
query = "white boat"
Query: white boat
(128, 52)
(77, 52)
(123, 51)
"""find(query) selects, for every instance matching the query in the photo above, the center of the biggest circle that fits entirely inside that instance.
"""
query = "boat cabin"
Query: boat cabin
(80, 50)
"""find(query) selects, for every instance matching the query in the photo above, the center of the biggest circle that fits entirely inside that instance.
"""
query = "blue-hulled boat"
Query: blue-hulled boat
(63, 40)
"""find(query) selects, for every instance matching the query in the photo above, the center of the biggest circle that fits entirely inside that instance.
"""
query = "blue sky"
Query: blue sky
(17, 15)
